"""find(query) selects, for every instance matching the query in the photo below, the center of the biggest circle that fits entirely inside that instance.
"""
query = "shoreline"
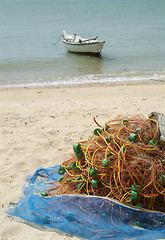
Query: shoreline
(40, 126)
(116, 77)
(83, 85)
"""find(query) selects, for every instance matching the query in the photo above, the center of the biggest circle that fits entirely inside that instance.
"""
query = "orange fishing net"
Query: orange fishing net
(121, 160)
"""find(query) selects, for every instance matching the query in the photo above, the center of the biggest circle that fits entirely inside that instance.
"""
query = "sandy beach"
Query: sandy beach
(40, 125)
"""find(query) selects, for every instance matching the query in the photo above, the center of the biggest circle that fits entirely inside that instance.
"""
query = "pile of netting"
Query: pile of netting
(104, 189)
(122, 160)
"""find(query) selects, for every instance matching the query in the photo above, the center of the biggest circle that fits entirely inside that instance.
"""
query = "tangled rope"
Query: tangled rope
(122, 160)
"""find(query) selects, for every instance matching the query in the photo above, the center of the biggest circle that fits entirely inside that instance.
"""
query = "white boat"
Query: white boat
(77, 44)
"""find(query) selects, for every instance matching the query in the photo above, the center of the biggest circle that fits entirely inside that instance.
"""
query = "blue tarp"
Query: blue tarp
(84, 216)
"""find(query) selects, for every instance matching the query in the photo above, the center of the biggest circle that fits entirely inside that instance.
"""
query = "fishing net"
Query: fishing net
(113, 185)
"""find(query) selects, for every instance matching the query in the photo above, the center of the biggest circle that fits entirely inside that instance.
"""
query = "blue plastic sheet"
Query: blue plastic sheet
(84, 216)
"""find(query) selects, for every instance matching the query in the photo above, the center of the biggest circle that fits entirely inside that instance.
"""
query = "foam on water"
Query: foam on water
(112, 78)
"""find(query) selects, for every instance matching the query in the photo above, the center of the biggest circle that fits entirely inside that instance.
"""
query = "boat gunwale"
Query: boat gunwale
(81, 44)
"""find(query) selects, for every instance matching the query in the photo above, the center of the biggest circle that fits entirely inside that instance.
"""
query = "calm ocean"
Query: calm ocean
(133, 30)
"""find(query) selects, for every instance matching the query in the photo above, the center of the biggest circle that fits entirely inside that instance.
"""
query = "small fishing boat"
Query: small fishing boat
(77, 44)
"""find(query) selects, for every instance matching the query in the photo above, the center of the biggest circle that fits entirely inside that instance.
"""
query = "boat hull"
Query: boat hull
(93, 48)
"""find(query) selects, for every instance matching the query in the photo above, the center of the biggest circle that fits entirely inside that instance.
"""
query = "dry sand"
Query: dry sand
(40, 125)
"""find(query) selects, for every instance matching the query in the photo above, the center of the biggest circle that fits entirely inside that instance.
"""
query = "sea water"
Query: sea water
(31, 55)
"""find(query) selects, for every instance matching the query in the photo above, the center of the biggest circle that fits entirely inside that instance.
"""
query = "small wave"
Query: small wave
(116, 77)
